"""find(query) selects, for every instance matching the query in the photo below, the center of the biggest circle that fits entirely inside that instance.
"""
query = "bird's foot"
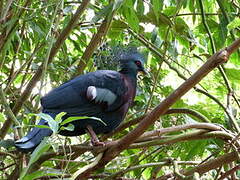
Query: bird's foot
(94, 139)
(96, 142)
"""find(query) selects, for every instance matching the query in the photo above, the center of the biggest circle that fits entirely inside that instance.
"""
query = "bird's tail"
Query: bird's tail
(29, 142)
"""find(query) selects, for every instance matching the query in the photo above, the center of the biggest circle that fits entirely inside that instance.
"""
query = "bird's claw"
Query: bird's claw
(97, 143)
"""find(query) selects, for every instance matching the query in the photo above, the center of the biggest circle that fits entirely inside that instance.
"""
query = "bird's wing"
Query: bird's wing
(101, 95)
(73, 96)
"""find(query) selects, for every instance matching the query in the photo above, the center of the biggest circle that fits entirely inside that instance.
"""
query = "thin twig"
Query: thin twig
(206, 27)
(170, 111)
(32, 83)
(156, 164)
(9, 112)
(6, 167)
(207, 126)
(220, 68)
(8, 154)
(193, 135)
(95, 41)
(155, 50)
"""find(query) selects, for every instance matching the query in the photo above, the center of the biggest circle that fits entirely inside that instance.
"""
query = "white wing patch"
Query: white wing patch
(100, 95)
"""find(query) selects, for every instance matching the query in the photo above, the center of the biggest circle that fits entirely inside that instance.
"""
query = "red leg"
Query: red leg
(94, 139)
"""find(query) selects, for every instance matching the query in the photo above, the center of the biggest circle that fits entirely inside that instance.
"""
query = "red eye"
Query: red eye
(138, 63)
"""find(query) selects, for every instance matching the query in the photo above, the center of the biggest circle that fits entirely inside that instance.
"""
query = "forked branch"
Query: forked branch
(214, 61)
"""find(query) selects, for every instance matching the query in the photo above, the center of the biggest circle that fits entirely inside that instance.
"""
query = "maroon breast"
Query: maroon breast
(131, 90)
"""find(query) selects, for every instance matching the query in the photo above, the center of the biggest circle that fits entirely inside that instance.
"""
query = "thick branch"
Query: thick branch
(233, 47)
(228, 173)
(215, 60)
(205, 131)
(213, 163)
(157, 52)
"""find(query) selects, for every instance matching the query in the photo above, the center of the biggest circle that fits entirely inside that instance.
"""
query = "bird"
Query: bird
(103, 94)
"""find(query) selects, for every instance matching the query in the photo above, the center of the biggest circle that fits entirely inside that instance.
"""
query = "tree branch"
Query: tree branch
(9, 112)
(193, 135)
(64, 34)
(212, 63)
(152, 138)
(95, 41)
(159, 132)
(213, 163)
(5, 36)
(215, 60)
(155, 50)
(156, 164)
(170, 111)
(206, 26)
(220, 68)
(228, 173)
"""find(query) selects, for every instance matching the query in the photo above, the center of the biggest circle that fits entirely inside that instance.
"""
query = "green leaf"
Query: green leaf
(78, 118)
(51, 122)
(38, 174)
(117, 27)
(164, 20)
(41, 126)
(221, 35)
(59, 116)
(233, 74)
(170, 11)
(157, 7)
(131, 18)
(234, 24)
(196, 148)
(180, 26)
(117, 4)
(40, 149)
(192, 6)
(7, 143)
(102, 13)
(70, 127)
(2, 118)
(34, 175)
(140, 7)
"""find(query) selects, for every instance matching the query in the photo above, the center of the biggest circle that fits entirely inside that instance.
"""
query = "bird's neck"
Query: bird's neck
(130, 75)
(129, 72)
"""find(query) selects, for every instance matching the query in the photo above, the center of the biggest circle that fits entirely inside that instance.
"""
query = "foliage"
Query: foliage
(43, 46)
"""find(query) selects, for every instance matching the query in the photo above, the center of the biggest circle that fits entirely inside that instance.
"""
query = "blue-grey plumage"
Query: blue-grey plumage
(104, 94)
(100, 95)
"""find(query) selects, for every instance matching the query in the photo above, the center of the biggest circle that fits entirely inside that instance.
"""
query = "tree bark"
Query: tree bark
(213, 62)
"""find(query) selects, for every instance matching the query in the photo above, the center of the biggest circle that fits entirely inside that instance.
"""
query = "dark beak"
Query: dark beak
(143, 71)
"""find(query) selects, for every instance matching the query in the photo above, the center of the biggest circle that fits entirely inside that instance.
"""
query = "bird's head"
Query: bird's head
(132, 61)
